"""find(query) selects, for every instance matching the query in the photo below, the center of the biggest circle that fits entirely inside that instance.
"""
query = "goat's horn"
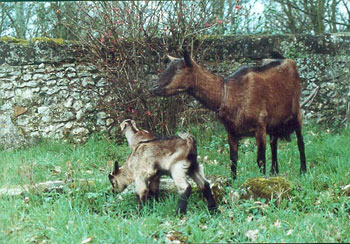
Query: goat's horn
(171, 58)
(133, 123)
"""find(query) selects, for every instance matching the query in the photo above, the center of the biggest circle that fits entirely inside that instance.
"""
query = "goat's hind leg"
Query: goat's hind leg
(301, 150)
(198, 177)
(178, 173)
(273, 144)
(301, 146)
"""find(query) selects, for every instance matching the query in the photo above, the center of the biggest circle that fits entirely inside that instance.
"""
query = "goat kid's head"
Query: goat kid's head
(176, 78)
(128, 123)
(114, 179)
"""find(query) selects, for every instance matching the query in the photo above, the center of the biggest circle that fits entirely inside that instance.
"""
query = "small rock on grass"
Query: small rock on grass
(267, 188)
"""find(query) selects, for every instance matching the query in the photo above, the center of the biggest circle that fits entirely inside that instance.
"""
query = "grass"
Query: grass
(316, 211)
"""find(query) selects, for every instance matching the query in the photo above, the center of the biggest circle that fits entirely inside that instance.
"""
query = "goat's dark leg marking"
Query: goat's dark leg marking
(273, 144)
(301, 150)
(154, 187)
(233, 142)
(205, 188)
(260, 136)
(209, 196)
(183, 200)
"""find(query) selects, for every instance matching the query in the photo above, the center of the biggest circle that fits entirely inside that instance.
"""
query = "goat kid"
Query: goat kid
(254, 101)
(133, 134)
(151, 159)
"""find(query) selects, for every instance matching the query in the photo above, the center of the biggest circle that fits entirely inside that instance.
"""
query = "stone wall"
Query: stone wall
(50, 90)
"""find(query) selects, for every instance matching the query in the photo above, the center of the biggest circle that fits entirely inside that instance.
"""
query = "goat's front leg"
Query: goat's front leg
(141, 191)
(233, 142)
(154, 187)
(260, 137)
(273, 144)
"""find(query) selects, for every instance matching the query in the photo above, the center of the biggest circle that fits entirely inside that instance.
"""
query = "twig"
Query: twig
(311, 97)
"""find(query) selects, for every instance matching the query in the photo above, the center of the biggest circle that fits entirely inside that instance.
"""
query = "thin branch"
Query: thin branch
(311, 14)
(311, 97)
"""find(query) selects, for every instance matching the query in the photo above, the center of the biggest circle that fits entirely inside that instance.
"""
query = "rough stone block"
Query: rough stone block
(17, 111)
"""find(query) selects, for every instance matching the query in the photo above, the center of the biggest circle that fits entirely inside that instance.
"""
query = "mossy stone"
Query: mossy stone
(267, 188)
(58, 41)
(13, 40)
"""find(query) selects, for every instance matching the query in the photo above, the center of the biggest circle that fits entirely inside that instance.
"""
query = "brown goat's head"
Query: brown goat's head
(176, 78)
(114, 178)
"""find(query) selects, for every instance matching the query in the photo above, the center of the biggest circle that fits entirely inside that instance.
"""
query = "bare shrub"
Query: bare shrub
(128, 41)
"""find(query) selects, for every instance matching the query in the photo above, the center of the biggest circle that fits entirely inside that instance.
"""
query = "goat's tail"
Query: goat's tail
(191, 141)
(187, 137)
(192, 145)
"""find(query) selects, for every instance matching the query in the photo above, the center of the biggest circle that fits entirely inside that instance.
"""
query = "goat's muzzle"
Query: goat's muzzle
(157, 90)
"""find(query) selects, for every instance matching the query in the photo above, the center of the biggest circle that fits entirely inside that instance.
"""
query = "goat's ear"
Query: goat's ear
(116, 168)
(187, 58)
(171, 58)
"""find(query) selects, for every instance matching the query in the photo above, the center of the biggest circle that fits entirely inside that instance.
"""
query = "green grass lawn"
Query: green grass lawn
(316, 211)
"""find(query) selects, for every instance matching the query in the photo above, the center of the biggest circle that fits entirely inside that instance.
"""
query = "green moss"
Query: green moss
(22, 42)
(274, 187)
(58, 41)
(13, 40)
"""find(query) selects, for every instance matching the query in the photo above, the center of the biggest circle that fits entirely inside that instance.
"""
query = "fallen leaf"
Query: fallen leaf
(88, 240)
(26, 200)
(252, 234)
(94, 166)
(69, 164)
(346, 190)
(57, 170)
(249, 219)
(234, 196)
(175, 237)
(277, 224)
(203, 227)
(110, 163)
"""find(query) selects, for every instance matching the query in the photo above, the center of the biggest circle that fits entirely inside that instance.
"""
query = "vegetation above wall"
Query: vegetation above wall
(48, 81)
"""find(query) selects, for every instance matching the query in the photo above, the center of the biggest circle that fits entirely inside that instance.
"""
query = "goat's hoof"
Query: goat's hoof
(214, 210)
(180, 212)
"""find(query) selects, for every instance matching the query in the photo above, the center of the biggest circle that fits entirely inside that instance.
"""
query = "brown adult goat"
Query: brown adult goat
(254, 101)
